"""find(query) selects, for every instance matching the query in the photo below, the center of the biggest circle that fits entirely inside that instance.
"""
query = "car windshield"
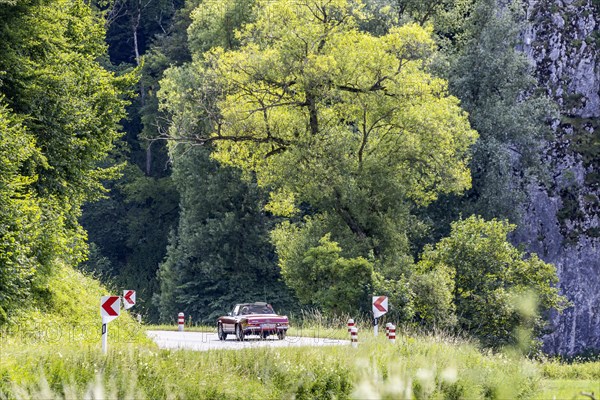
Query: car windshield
(256, 309)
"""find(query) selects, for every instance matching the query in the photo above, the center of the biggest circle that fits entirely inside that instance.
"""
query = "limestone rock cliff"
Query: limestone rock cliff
(561, 221)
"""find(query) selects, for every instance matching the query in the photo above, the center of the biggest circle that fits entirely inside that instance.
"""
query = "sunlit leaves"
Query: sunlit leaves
(490, 276)
(348, 127)
(318, 108)
(61, 122)
(19, 212)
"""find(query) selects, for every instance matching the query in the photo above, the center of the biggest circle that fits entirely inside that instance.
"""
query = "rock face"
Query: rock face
(561, 221)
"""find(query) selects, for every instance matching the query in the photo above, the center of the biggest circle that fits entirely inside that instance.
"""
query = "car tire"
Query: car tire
(281, 335)
(222, 335)
(239, 333)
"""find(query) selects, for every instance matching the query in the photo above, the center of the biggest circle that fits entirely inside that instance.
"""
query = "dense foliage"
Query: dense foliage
(323, 122)
(19, 213)
(59, 116)
(496, 86)
(494, 286)
(129, 229)
(220, 254)
(317, 151)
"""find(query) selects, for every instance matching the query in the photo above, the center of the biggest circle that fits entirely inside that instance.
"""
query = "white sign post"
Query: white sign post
(380, 307)
(128, 299)
(110, 308)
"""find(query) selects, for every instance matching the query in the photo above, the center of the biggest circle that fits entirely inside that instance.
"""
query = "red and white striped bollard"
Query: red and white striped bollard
(354, 336)
(392, 333)
(180, 321)
(350, 324)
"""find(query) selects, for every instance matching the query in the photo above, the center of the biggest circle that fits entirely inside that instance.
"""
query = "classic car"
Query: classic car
(252, 319)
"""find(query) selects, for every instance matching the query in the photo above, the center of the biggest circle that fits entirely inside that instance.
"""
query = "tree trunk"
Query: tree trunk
(149, 159)
(135, 25)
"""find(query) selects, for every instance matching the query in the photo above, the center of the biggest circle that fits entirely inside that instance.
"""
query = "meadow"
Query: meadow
(55, 354)
(433, 367)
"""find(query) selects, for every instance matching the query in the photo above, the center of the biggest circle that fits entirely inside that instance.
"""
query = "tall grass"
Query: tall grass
(432, 367)
(68, 312)
(54, 353)
(412, 368)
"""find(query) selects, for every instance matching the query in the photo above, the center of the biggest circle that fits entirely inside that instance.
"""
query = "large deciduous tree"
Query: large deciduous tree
(220, 252)
(338, 124)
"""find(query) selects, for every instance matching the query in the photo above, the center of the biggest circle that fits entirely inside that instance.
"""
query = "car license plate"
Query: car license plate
(267, 326)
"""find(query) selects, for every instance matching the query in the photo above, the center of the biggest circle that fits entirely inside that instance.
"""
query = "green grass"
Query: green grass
(572, 371)
(67, 309)
(415, 367)
(53, 351)
(569, 380)
(421, 367)
(568, 389)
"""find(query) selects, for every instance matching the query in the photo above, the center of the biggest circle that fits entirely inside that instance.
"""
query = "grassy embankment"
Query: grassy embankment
(57, 355)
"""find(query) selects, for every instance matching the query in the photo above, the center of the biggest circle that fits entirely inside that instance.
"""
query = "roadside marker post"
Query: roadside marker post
(128, 299)
(380, 307)
(387, 329)
(392, 336)
(350, 324)
(104, 338)
(354, 336)
(180, 321)
(110, 308)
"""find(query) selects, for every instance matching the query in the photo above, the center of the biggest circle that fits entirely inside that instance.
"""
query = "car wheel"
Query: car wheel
(222, 335)
(281, 335)
(239, 333)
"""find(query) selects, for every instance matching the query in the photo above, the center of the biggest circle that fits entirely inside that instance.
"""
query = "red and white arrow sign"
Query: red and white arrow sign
(380, 305)
(128, 299)
(110, 307)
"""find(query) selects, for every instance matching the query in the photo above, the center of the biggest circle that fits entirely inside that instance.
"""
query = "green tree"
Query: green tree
(495, 82)
(214, 24)
(447, 17)
(336, 122)
(69, 103)
(432, 289)
(65, 106)
(220, 253)
(19, 211)
(491, 276)
(321, 277)
(496, 85)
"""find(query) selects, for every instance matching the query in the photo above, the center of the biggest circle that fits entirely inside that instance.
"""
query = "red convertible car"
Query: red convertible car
(252, 319)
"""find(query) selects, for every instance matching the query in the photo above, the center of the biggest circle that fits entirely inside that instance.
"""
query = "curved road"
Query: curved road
(203, 341)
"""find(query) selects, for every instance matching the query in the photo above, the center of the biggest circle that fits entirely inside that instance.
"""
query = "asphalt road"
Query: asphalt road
(204, 341)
